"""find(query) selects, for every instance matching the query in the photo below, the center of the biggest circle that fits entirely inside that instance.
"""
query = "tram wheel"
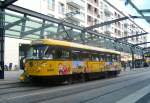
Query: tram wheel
(70, 80)
(82, 77)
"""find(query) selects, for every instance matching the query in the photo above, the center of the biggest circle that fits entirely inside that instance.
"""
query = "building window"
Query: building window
(101, 5)
(137, 39)
(119, 33)
(132, 32)
(72, 9)
(101, 15)
(61, 8)
(115, 14)
(119, 25)
(115, 30)
(96, 21)
(96, 12)
(89, 19)
(96, 2)
(89, 7)
(118, 16)
(51, 4)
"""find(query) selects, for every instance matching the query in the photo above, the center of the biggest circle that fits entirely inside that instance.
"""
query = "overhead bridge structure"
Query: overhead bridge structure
(21, 23)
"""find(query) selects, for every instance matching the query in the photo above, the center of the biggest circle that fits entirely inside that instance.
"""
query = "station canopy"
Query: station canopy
(26, 27)
(21, 25)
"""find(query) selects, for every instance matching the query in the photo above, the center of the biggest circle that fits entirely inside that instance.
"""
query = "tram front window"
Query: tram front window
(37, 52)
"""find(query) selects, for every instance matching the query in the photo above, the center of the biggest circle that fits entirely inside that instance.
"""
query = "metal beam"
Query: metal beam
(59, 33)
(146, 48)
(8, 26)
(141, 43)
(106, 23)
(36, 30)
(60, 28)
(68, 35)
(82, 36)
(99, 34)
(41, 16)
(42, 30)
(6, 3)
(23, 26)
(48, 18)
(126, 2)
(145, 11)
(132, 4)
(123, 38)
(123, 13)
(113, 21)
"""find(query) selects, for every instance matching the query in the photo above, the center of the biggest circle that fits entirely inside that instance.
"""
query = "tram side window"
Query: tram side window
(95, 57)
(108, 58)
(37, 51)
(80, 56)
(49, 53)
(75, 55)
(118, 58)
(65, 54)
(114, 58)
(84, 56)
(62, 54)
(102, 57)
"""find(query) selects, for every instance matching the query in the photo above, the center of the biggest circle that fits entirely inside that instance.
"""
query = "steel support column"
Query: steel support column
(23, 26)
(2, 33)
(143, 55)
(6, 3)
(132, 36)
(133, 59)
(82, 36)
(42, 30)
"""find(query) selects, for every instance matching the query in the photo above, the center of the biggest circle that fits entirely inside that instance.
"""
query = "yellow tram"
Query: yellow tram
(58, 60)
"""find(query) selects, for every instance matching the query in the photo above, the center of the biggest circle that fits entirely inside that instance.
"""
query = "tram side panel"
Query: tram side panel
(48, 67)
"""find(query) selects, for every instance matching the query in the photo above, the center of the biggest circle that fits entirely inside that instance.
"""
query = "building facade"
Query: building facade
(87, 13)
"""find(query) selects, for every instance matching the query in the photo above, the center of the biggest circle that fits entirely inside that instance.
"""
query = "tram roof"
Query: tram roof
(72, 45)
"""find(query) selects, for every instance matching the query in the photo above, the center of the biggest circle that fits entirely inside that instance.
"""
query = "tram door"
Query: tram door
(22, 54)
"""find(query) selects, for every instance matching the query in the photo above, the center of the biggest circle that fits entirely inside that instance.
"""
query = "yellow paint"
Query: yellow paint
(48, 68)
(53, 68)
(72, 45)
(94, 66)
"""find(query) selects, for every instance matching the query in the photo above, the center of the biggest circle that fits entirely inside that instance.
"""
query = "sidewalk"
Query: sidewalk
(134, 70)
(11, 76)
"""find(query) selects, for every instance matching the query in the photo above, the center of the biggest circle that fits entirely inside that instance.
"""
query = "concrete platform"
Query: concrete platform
(13, 76)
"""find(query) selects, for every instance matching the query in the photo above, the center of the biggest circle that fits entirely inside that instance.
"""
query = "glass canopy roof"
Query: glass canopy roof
(26, 27)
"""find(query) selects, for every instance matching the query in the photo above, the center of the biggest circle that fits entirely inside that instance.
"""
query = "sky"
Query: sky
(140, 4)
